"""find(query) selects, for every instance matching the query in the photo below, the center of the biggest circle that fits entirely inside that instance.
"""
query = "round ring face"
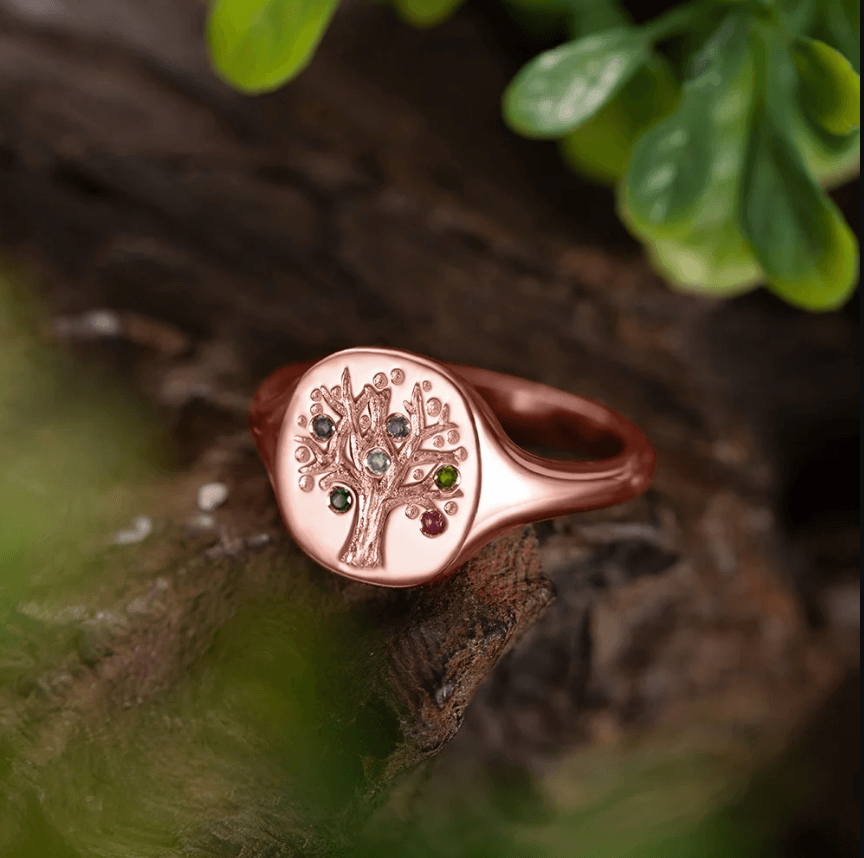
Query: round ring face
(377, 467)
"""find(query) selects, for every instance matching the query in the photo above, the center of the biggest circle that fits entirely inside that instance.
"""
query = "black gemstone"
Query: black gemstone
(398, 426)
(322, 427)
(340, 500)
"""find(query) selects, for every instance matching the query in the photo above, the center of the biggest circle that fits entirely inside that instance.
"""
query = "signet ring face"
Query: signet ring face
(392, 468)
(378, 467)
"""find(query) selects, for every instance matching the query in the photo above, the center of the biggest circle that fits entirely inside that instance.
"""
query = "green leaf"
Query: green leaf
(671, 165)
(798, 15)
(725, 49)
(710, 253)
(831, 158)
(594, 16)
(600, 148)
(714, 251)
(806, 249)
(425, 13)
(717, 259)
(562, 88)
(257, 45)
(843, 24)
(829, 90)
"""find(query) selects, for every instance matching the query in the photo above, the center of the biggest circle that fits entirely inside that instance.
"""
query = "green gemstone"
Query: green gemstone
(340, 500)
(447, 477)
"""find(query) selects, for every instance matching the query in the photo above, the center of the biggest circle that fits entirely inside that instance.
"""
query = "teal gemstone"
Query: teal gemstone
(378, 462)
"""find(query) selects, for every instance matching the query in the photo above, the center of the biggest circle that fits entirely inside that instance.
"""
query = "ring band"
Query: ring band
(394, 469)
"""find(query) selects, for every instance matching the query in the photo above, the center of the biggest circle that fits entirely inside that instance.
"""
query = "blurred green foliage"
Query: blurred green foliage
(75, 452)
(722, 163)
(260, 45)
(264, 693)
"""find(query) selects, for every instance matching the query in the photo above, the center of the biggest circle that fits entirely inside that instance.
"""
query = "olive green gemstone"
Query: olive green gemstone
(447, 477)
(340, 500)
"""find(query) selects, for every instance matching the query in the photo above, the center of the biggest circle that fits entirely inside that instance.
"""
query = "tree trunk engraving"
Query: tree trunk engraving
(372, 460)
(364, 546)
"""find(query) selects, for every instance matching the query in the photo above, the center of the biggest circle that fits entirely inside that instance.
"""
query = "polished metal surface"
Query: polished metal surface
(415, 501)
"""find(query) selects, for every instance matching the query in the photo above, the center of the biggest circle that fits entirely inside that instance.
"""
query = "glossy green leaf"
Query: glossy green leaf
(710, 252)
(670, 166)
(806, 249)
(830, 90)
(562, 88)
(425, 13)
(717, 259)
(831, 158)
(670, 169)
(726, 48)
(257, 45)
(600, 148)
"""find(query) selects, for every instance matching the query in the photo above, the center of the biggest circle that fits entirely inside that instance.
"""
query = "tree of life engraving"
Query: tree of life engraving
(373, 460)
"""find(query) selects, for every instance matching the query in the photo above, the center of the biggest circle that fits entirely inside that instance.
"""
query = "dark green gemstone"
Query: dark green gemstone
(447, 477)
(322, 427)
(398, 427)
(340, 500)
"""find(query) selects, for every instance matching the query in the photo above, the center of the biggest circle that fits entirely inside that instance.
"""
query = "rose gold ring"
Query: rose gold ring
(393, 469)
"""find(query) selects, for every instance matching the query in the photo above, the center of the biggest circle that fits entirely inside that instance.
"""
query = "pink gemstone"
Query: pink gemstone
(432, 523)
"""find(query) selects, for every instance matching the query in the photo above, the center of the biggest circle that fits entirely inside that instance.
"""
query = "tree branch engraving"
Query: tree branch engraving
(378, 455)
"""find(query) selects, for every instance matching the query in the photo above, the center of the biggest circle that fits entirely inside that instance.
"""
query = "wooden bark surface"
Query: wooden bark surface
(378, 200)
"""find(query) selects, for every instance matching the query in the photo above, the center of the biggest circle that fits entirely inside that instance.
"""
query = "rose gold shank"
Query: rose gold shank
(518, 487)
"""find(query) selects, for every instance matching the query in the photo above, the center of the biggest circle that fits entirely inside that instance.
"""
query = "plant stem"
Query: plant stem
(673, 21)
